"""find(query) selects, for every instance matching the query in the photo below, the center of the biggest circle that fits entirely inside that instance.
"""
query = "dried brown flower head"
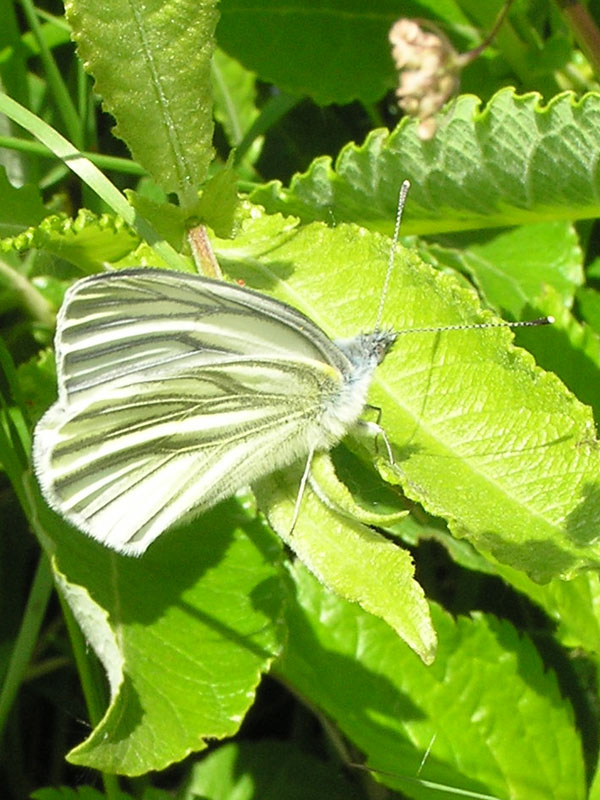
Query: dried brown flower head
(429, 71)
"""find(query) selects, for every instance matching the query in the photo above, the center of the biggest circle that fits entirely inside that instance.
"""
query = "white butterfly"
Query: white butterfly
(175, 391)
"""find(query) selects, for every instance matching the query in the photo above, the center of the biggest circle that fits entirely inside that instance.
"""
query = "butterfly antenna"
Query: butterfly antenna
(528, 323)
(401, 203)
(533, 323)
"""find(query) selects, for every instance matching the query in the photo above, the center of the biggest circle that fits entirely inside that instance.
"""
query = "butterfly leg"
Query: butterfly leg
(301, 490)
(374, 429)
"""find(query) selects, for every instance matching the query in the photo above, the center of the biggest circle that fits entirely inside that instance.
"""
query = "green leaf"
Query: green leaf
(511, 267)
(146, 256)
(168, 220)
(351, 559)
(37, 381)
(514, 162)
(184, 634)
(593, 268)
(595, 787)
(308, 47)
(151, 64)
(19, 208)
(234, 90)
(569, 349)
(482, 437)
(87, 241)
(15, 439)
(219, 201)
(488, 713)
(588, 301)
(572, 605)
(269, 770)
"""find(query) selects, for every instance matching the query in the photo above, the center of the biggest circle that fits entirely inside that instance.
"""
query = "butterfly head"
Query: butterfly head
(367, 350)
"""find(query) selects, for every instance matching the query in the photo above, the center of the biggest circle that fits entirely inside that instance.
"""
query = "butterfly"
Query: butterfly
(175, 391)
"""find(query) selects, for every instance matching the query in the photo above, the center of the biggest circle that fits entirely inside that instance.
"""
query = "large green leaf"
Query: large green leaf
(266, 770)
(184, 635)
(513, 162)
(151, 64)
(487, 713)
(350, 558)
(310, 47)
(481, 436)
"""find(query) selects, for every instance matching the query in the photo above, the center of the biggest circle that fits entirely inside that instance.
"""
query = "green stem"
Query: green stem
(115, 163)
(55, 81)
(36, 304)
(585, 30)
(92, 686)
(273, 110)
(27, 637)
(374, 115)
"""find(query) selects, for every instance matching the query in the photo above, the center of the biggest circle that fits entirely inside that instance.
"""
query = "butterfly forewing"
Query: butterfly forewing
(118, 328)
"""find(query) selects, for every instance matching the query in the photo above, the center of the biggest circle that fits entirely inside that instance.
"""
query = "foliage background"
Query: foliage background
(504, 200)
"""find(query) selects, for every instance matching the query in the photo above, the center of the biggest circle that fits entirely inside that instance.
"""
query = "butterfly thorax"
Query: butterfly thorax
(364, 352)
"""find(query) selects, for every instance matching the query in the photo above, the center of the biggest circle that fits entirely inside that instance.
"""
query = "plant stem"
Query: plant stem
(27, 637)
(91, 685)
(36, 304)
(585, 30)
(55, 80)
(115, 163)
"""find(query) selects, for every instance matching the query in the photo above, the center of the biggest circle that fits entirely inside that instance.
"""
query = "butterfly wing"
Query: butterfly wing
(120, 326)
(173, 397)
